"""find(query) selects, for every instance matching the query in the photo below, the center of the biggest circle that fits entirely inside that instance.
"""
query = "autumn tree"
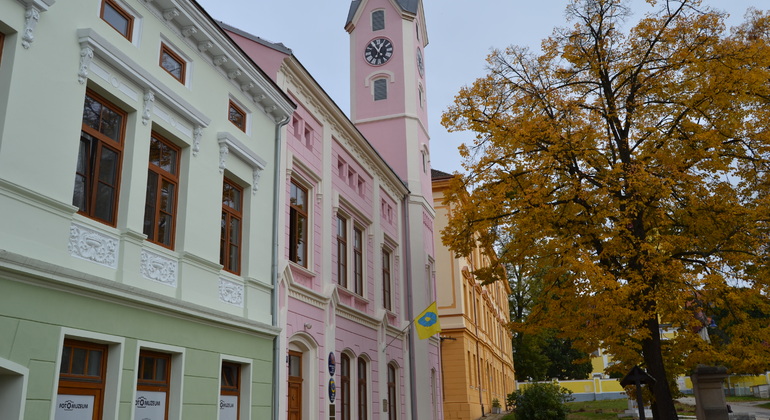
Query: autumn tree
(632, 165)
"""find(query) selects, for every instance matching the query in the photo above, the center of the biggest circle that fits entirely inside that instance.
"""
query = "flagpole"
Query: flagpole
(400, 334)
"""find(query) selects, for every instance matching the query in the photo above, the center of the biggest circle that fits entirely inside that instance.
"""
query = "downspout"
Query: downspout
(478, 354)
(409, 302)
(274, 301)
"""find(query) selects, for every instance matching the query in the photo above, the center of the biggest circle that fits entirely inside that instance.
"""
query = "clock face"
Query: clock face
(420, 63)
(378, 51)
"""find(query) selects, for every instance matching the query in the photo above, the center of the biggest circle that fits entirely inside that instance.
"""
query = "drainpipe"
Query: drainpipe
(478, 354)
(274, 265)
(409, 302)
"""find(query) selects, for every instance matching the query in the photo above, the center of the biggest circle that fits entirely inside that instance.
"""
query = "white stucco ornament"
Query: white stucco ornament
(93, 246)
(86, 56)
(158, 268)
(230, 292)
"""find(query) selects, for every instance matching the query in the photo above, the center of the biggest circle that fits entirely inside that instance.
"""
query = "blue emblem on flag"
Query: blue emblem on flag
(428, 319)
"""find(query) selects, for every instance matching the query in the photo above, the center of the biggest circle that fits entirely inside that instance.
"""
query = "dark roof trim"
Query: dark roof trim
(276, 46)
(409, 6)
(436, 174)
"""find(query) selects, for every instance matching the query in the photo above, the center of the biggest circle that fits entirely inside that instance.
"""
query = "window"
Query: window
(386, 286)
(230, 391)
(298, 224)
(172, 63)
(358, 261)
(152, 386)
(362, 391)
(118, 18)
(380, 89)
(392, 405)
(342, 251)
(82, 378)
(237, 116)
(230, 241)
(2, 42)
(378, 20)
(345, 387)
(308, 137)
(97, 175)
(162, 182)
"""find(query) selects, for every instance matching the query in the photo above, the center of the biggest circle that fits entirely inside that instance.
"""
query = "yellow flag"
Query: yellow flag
(427, 322)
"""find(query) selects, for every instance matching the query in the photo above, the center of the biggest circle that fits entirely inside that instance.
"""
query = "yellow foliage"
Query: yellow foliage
(633, 169)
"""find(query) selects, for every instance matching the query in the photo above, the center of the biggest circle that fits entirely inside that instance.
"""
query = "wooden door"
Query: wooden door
(295, 386)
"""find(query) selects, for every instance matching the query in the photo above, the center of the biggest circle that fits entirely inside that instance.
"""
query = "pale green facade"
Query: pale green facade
(65, 275)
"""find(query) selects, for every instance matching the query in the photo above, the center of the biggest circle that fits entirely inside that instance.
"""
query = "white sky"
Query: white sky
(461, 34)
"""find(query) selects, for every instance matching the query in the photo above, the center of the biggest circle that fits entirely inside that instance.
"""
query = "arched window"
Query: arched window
(345, 387)
(392, 402)
(380, 89)
(362, 390)
(378, 20)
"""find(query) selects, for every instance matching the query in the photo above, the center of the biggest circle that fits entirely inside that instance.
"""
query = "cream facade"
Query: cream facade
(477, 357)
(137, 190)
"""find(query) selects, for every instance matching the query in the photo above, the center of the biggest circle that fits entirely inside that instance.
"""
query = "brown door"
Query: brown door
(295, 386)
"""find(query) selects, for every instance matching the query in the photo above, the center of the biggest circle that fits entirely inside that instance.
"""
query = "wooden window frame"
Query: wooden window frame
(392, 392)
(2, 43)
(182, 62)
(75, 384)
(358, 260)
(297, 213)
(230, 389)
(342, 251)
(363, 389)
(154, 385)
(234, 107)
(121, 11)
(228, 214)
(95, 148)
(387, 286)
(170, 178)
(344, 387)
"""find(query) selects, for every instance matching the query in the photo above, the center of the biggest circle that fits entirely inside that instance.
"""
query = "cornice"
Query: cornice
(35, 199)
(204, 36)
(32, 271)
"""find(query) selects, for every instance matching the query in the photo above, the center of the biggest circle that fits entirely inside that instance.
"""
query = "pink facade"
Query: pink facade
(357, 252)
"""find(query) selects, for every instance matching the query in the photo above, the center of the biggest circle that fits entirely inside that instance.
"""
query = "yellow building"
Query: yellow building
(477, 358)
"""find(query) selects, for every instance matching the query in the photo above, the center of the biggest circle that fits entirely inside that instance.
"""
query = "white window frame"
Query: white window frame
(112, 377)
(244, 399)
(14, 379)
(176, 387)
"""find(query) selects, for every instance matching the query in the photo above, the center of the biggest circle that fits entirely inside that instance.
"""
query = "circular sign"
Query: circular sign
(332, 364)
(332, 390)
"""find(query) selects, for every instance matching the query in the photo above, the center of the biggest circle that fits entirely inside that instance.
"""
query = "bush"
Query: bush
(540, 401)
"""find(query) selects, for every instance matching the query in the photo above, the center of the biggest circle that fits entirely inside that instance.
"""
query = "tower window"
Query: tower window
(380, 89)
(378, 20)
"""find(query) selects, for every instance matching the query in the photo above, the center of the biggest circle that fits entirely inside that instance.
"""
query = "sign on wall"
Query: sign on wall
(74, 407)
(150, 405)
(228, 407)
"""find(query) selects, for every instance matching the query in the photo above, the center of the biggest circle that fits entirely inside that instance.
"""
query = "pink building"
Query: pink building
(358, 227)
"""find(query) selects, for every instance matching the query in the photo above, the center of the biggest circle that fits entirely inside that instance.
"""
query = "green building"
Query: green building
(137, 214)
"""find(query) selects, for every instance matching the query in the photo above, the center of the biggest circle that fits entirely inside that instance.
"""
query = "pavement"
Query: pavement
(747, 407)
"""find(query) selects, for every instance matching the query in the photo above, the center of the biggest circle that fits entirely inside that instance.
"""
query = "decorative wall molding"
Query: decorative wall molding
(197, 134)
(31, 17)
(230, 292)
(137, 74)
(149, 103)
(158, 268)
(86, 55)
(93, 246)
(228, 143)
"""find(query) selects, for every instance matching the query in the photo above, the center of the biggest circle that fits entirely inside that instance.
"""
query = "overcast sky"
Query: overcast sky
(461, 34)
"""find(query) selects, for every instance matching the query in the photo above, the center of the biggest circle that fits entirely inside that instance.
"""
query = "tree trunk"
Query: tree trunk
(663, 402)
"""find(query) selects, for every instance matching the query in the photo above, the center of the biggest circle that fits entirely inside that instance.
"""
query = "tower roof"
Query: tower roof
(406, 6)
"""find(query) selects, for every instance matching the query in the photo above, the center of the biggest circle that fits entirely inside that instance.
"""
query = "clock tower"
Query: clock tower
(389, 107)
